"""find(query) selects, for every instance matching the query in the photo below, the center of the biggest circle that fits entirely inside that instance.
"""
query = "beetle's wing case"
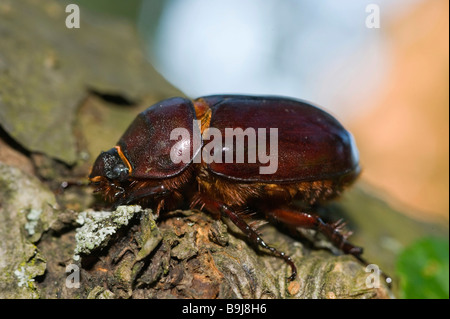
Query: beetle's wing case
(147, 145)
(312, 145)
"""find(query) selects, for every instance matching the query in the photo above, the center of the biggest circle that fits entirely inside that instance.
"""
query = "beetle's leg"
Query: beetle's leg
(218, 207)
(120, 190)
(295, 218)
(140, 193)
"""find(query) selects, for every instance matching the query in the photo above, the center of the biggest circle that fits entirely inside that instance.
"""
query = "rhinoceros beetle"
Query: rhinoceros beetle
(164, 158)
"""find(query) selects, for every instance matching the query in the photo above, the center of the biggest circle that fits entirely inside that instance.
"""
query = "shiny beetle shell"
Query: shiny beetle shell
(312, 145)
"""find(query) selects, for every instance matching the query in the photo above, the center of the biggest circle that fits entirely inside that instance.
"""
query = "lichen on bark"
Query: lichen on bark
(184, 255)
(20, 260)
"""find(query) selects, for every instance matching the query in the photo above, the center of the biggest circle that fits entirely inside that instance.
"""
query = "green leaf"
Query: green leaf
(423, 269)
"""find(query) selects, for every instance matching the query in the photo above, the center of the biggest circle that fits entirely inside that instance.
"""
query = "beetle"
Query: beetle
(316, 160)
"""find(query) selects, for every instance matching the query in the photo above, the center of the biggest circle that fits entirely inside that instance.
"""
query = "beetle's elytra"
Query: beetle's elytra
(316, 160)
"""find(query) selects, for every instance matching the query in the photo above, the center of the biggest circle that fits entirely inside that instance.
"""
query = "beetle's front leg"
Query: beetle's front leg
(120, 191)
(140, 193)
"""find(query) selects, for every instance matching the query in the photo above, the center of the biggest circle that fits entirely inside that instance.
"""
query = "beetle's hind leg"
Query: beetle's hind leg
(298, 219)
(217, 207)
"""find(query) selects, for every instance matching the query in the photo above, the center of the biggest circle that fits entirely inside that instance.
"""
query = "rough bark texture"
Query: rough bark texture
(127, 253)
(67, 94)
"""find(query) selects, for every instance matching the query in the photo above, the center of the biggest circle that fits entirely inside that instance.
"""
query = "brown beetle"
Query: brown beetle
(316, 158)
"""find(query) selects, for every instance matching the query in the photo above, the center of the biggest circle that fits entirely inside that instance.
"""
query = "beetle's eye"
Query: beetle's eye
(117, 171)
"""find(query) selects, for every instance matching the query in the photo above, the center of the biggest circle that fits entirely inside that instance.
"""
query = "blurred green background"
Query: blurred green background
(423, 269)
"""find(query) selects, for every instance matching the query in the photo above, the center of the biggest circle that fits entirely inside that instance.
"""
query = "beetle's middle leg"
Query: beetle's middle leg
(219, 208)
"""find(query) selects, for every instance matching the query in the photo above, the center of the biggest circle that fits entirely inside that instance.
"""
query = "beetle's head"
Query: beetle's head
(109, 173)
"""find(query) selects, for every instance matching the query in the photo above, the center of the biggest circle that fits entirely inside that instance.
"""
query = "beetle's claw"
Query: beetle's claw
(293, 275)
